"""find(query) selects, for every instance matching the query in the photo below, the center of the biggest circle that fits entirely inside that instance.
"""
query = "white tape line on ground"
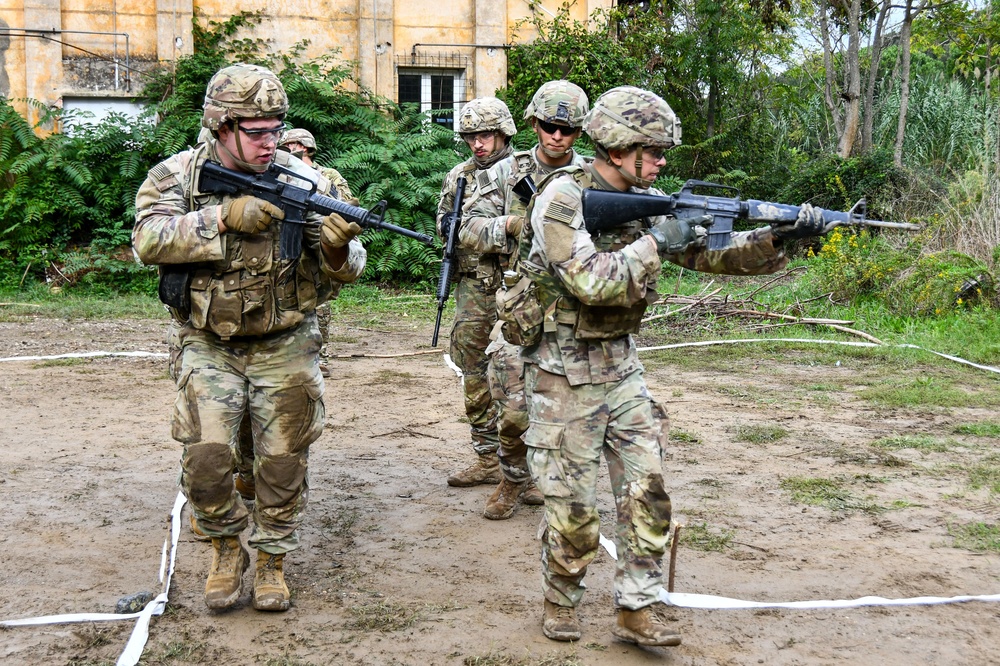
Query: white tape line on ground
(136, 354)
(711, 602)
(140, 633)
(845, 343)
(451, 364)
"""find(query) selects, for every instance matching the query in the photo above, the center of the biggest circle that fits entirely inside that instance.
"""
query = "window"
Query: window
(433, 90)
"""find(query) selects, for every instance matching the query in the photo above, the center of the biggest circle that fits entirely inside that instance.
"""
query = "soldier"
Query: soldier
(301, 144)
(585, 385)
(494, 219)
(486, 125)
(248, 341)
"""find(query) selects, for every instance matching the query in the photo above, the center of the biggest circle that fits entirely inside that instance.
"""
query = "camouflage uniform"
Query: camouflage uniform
(485, 230)
(586, 391)
(253, 347)
(343, 192)
(476, 279)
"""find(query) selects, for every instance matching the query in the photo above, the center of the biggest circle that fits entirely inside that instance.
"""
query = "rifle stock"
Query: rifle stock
(604, 210)
(295, 202)
(449, 258)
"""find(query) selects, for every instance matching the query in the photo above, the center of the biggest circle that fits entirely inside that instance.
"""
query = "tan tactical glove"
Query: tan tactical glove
(249, 215)
(338, 232)
(514, 225)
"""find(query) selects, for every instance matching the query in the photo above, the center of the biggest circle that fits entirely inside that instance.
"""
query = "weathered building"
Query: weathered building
(93, 54)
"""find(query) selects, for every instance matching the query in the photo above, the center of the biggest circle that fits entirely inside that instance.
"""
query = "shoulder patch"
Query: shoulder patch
(483, 181)
(560, 212)
(163, 178)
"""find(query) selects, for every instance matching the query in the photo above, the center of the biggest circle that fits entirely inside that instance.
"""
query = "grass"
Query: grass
(922, 443)
(977, 537)
(986, 474)
(78, 304)
(927, 391)
(386, 616)
(760, 434)
(980, 429)
(829, 493)
(699, 537)
(683, 437)
(61, 362)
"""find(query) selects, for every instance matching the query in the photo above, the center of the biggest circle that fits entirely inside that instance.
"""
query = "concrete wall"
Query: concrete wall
(56, 57)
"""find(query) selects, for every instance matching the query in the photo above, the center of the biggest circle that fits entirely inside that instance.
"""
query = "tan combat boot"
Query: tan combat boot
(269, 590)
(644, 627)
(485, 470)
(245, 486)
(225, 578)
(532, 495)
(500, 505)
(560, 623)
(196, 531)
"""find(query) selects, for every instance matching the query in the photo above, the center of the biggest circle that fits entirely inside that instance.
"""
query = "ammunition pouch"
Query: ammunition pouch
(606, 322)
(175, 286)
(520, 310)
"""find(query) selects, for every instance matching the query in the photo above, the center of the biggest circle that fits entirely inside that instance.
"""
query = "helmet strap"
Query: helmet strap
(632, 177)
(241, 160)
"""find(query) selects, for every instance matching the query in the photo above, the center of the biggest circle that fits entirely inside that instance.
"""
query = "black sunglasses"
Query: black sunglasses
(552, 128)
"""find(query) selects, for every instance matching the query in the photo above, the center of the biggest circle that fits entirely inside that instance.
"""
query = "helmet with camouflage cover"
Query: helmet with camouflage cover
(558, 102)
(302, 136)
(243, 91)
(486, 114)
(627, 116)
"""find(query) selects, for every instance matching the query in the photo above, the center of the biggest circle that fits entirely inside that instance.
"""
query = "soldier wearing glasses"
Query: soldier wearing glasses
(486, 126)
(248, 342)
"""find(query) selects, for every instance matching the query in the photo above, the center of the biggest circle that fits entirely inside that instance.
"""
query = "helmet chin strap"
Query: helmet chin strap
(555, 154)
(636, 179)
(241, 160)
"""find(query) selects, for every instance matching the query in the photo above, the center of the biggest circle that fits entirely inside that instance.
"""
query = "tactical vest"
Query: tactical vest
(532, 300)
(252, 292)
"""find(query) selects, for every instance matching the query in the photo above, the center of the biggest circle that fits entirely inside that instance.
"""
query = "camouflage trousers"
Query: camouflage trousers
(475, 314)
(506, 376)
(323, 321)
(243, 451)
(570, 426)
(277, 382)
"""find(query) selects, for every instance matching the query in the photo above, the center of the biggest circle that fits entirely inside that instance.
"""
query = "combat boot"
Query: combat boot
(269, 590)
(245, 486)
(500, 505)
(196, 531)
(485, 470)
(225, 579)
(532, 495)
(559, 623)
(644, 627)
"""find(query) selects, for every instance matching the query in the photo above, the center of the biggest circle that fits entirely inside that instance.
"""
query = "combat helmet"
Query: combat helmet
(558, 102)
(486, 114)
(302, 136)
(243, 91)
(628, 116)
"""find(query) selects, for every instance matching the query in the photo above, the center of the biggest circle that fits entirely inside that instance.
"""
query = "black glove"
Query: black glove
(809, 223)
(673, 235)
(446, 221)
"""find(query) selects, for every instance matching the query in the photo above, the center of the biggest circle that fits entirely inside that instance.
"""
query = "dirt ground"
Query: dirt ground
(398, 568)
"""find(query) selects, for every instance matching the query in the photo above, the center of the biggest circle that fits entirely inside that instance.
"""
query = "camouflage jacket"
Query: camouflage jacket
(468, 259)
(240, 284)
(484, 228)
(587, 274)
(338, 181)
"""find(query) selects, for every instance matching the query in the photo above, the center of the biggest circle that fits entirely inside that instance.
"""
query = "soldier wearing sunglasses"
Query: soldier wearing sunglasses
(494, 220)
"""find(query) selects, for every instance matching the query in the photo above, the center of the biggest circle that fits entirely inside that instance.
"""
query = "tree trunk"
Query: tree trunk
(831, 78)
(852, 95)
(904, 80)
(867, 142)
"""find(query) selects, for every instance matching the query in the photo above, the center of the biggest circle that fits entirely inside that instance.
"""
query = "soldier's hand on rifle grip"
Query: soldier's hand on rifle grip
(447, 220)
(514, 225)
(808, 223)
(338, 232)
(673, 235)
(249, 215)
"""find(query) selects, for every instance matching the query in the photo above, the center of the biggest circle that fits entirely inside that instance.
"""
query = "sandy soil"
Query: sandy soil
(398, 568)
